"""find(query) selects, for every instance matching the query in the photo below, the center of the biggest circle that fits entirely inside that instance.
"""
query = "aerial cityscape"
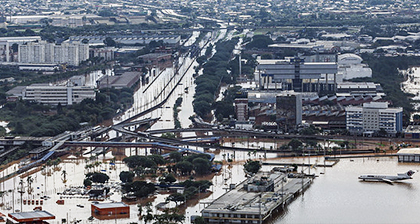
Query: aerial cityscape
(120, 111)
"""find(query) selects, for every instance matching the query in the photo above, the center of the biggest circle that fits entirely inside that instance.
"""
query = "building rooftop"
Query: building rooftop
(409, 151)
(110, 205)
(31, 216)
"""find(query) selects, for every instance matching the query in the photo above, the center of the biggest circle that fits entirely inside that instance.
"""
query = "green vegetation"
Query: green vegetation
(169, 135)
(214, 73)
(177, 104)
(136, 162)
(192, 188)
(224, 108)
(139, 188)
(385, 71)
(34, 119)
(259, 41)
(126, 176)
(96, 178)
(295, 144)
(252, 166)
(169, 216)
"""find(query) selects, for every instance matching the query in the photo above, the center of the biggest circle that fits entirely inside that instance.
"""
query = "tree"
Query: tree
(64, 174)
(29, 180)
(176, 197)
(175, 156)
(126, 176)
(170, 178)
(139, 188)
(139, 209)
(201, 166)
(149, 216)
(87, 183)
(382, 132)
(252, 166)
(185, 167)
(295, 144)
(169, 135)
(158, 159)
(199, 220)
(259, 41)
(109, 42)
(97, 177)
(139, 161)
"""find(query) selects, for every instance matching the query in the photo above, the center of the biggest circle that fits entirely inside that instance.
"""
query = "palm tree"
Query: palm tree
(140, 209)
(2, 193)
(64, 174)
(21, 191)
(29, 180)
(149, 216)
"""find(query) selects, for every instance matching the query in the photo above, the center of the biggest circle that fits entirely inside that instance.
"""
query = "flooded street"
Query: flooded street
(336, 195)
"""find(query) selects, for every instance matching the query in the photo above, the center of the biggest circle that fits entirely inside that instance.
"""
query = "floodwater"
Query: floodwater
(339, 197)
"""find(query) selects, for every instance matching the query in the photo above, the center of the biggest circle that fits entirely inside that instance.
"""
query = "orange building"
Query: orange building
(117, 210)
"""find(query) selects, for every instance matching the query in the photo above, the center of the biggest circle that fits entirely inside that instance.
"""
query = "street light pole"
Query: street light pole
(260, 210)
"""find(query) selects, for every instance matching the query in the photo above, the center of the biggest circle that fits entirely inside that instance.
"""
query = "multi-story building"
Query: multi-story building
(42, 52)
(288, 110)
(241, 109)
(295, 74)
(373, 117)
(53, 95)
(7, 49)
(171, 40)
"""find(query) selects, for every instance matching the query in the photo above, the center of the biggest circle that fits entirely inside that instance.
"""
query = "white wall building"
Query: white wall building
(372, 117)
(53, 95)
(350, 66)
(71, 53)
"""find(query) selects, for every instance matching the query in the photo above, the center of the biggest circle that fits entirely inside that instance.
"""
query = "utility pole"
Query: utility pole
(282, 192)
(260, 210)
(21, 194)
(302, 175)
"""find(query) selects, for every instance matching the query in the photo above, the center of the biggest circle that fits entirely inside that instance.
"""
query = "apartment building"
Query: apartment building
(372, 117)
(71, 53)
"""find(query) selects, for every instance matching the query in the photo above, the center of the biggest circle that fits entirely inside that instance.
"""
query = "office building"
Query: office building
(373, 117)
(241, 109)
(295, 74)
(288, 111)
(53, 95)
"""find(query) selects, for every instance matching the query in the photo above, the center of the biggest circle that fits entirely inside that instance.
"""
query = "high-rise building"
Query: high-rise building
(288, 111)
(41, 52)
(373, 117)
(241, 109)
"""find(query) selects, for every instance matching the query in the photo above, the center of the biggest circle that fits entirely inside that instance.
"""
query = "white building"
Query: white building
(350, 66)
(71, 53)
(372, 117)
(295, 74)
(6, 45)
(53, 95)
